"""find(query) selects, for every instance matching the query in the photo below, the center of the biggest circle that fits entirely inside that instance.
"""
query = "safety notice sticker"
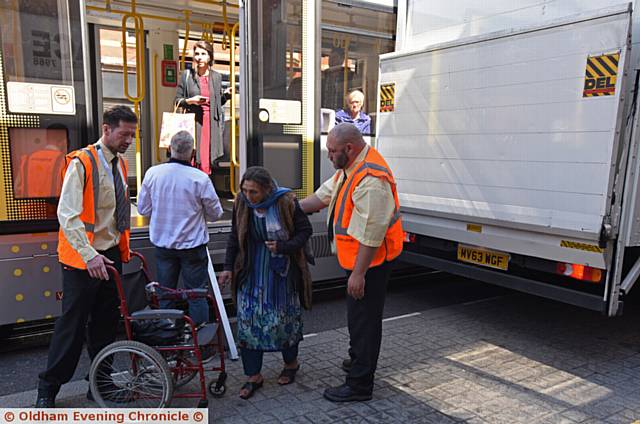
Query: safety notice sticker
(387, 97)
(600, 75)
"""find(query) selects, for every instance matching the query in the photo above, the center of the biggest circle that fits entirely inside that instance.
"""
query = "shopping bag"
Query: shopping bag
(173, 122)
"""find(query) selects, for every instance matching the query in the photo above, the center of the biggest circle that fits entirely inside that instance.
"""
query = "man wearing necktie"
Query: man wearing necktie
(94, 213)
(365, 232)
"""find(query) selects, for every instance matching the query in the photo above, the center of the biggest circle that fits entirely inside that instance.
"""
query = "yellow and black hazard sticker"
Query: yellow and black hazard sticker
(581, 246)
(387, 97)
(600, 75)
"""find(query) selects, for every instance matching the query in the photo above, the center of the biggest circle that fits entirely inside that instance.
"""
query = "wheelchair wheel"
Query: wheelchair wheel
(218, 388)
(130, 374)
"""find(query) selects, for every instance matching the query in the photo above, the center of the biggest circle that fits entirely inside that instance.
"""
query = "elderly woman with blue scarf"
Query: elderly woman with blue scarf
(270, 280)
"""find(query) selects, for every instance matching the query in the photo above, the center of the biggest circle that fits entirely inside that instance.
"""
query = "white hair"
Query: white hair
(357, 93)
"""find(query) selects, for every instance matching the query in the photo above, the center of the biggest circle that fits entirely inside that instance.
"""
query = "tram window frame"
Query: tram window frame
(15, 160)
(369, 26)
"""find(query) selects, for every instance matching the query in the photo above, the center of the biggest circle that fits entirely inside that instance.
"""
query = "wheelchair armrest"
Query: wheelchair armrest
(198, 292)
(158, 314)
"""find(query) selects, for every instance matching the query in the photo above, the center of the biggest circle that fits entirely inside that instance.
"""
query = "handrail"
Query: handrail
(217, 2)
(207, 33)
(225, 30)
(148, 15)
(345, 68)
(187, 28)
(140, 77)
(139, 36)
(156, 119)
(232, 79)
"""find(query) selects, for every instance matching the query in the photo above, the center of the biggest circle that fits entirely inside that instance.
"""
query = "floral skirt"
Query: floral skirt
(268, 311)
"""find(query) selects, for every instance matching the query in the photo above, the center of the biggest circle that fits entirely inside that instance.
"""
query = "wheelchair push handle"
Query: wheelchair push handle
(113, 272)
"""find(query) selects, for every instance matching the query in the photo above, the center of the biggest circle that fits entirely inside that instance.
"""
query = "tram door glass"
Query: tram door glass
(352, 39)
(276, 92)
(112, 72)
(42, 107)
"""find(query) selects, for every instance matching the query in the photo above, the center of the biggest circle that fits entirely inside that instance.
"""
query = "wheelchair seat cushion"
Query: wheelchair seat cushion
(158, 314)
(158, 332)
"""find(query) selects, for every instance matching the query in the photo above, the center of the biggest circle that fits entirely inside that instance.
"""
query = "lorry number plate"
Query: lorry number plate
(483, 257)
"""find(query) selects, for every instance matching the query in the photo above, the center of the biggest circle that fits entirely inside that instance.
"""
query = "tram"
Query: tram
(289, 63)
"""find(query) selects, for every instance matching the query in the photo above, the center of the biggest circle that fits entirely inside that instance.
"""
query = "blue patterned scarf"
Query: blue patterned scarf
(275, 231)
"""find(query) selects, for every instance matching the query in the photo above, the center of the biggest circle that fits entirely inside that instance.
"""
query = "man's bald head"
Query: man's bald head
(344, 144)
(347, 133)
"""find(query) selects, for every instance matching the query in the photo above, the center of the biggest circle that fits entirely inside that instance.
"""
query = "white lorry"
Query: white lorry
(512, 133)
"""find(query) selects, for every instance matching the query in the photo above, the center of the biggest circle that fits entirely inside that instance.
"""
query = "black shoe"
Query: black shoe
(346, 365)
(345, 393)
(45, 402)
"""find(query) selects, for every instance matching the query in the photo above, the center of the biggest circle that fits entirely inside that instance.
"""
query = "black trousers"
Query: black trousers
(89, 312)
(364, 318)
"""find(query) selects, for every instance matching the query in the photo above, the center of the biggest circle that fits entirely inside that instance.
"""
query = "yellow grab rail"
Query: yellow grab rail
(140, 77)
(187, 30)
(234, 165)
(156, 118)
(152, 16)
(140, 71)
(225, 29)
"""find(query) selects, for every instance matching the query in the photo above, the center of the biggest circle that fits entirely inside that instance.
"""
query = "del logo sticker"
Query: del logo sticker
(600, 75)
(387, 97)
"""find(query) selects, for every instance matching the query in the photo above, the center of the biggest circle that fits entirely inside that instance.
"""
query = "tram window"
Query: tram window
(37, 158)
(36, 44)
(349, 59)
(112, 71)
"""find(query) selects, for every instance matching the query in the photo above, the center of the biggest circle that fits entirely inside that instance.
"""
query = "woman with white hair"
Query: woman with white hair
(354, 115)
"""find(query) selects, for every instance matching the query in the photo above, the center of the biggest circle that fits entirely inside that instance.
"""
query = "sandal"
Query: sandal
(251, 387)
(289, 373)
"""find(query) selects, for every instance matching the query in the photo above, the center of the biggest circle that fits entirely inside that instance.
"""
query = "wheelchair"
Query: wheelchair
(163, 350)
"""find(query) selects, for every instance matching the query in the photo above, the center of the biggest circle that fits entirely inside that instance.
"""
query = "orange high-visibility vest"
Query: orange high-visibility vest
(347, 246)
(89, 159)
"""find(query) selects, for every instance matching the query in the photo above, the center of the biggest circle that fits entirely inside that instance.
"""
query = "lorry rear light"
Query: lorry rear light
(579, 272)
(409, 237)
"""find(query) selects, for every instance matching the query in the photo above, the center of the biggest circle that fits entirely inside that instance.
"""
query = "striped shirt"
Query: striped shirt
(180, 200)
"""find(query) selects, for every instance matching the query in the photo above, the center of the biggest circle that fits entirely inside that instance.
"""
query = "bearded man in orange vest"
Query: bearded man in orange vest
(365, 232)
(94, 213)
